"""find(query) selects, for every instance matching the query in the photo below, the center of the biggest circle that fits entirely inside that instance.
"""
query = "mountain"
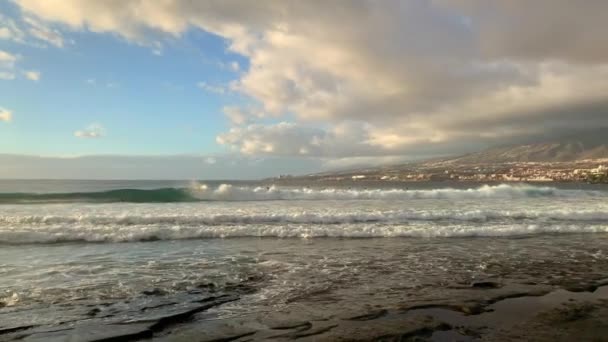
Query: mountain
(591, 145)
(585, 150)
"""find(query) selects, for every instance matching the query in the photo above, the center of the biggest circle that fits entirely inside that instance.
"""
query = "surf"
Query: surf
(228, 192)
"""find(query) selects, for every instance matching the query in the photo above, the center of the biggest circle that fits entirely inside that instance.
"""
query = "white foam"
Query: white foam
(50, 234)
(227, 192)
(502, 210)
(189, 218)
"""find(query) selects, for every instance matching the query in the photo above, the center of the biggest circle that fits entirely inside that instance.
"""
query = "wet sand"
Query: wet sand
(484, 311)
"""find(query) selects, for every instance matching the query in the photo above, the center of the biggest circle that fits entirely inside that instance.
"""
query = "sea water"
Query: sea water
(69, 245)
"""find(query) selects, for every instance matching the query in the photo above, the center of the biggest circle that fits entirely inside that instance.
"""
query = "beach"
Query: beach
(256, 262)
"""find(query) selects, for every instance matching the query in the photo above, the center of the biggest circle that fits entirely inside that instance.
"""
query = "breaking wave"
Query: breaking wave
(305, 217)
(46, 235)
(402, 223)
(227, 192)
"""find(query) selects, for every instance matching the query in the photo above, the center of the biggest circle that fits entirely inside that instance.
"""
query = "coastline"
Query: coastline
(487, 310)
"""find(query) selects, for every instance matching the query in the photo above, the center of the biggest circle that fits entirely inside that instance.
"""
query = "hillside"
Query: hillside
(592, 145)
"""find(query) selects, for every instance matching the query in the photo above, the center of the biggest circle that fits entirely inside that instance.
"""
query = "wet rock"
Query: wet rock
(293, 325)
(369, 316)
(242, 288)
(305, 331)
(165, 320)
(94, 332)
(229, 337)
(486, 285)
(154, 292)
(93, 312)
(419, 334)
(573, 312)
(4, 330)
(474, 309)
(207, 286)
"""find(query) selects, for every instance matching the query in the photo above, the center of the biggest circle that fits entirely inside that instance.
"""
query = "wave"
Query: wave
(398, 223)
(113, 234)
(227, 192)
(319, 218)
(122, 195)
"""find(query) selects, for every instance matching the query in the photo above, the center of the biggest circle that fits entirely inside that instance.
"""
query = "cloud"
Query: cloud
(31, 31)
(8, 68)
(415, 76)
(236, 115)
(38, 30)
(5, 115)
(7, 65)
(234, 66)
(7, 59)
(94, 130)
(7, 75)
(292, 139)
(10, 30)
(32, 75)
(5, 33)
(217, 89)
(187, 167)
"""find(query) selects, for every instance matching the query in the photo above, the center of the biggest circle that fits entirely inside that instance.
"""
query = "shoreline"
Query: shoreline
(488, 310)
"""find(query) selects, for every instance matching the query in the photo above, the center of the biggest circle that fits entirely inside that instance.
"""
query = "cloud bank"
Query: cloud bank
(362, 79)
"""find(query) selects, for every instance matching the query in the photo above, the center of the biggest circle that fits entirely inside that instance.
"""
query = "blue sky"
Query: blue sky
(147, 103)
(248, 89)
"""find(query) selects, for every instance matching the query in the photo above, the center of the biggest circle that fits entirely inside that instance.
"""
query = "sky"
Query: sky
(178, 89)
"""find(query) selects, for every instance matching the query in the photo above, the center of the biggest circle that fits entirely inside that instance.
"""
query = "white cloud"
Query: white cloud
(7, 75)
(234, 66)
(40, 31)
(5, 33)
(7, 59)
(236, 115)
(217, 89)
(7, 65)
(91, 81)
(5, 115)
(415, 74)
(32, 75)
(289, 139)
(31, 31)
(94, 130)
(10, 30)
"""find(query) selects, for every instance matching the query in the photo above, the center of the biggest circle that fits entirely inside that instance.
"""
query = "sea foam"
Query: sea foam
(228, 192)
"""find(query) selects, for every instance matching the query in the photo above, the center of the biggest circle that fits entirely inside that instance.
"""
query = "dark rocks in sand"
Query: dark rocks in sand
(154, 292)
(291, 325)
(307, 330)
(419, 334)
(93, 332)
(98, 330)
(241, 288)
(166, 320)
(207, 286)
(369, 316)
(14, 329)
(573, 312)
(93, 312)
(486, 285)
(229, 338)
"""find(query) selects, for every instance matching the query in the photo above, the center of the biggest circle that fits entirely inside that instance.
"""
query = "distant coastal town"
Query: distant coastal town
(589, 171)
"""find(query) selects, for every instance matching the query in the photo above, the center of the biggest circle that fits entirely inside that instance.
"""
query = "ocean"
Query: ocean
(118, 252)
